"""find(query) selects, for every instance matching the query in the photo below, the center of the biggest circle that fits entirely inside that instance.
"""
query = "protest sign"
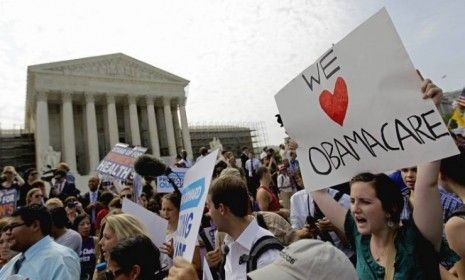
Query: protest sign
(359, 108)
(155, 225)
(177, 175)
(194, 193)
(119, 162)
(8, 199)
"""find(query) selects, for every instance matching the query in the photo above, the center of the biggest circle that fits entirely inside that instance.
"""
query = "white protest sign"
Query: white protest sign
(155, 225)
(194, 193)
(359, 108)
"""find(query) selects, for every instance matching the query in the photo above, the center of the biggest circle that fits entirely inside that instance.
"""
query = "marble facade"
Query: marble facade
(83, 107)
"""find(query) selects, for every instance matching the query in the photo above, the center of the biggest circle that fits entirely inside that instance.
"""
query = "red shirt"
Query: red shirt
(274, 203)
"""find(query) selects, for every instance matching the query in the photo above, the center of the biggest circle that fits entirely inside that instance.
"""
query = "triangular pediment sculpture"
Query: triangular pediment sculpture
(112, 66)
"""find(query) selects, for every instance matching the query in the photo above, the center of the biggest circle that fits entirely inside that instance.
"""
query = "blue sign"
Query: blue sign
(192, 194)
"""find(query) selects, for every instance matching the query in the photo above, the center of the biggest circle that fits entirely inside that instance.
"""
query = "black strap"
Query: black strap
(221, 271)
(261, 221)
(262, 245)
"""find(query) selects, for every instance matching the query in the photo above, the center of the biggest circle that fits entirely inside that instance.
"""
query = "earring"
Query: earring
(390, 224)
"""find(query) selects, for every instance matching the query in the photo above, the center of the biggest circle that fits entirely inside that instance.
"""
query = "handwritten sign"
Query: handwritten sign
(119, 162)
(194, 193)
(359, 108)
(155, 225)
(8, 199)
(177, 175)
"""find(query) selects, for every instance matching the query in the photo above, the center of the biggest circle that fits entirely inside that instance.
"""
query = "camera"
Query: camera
(71, 204)
(311, 221)
(47, 176)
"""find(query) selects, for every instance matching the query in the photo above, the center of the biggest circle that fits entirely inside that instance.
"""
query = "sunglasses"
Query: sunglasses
(128, 196)
(38, 196)
(110, 275)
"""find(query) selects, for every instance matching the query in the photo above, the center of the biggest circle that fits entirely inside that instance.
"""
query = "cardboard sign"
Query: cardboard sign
(177, 175)
(359, 108)
(119, 162)
(8, 199)
(194, 194)
(155, 225)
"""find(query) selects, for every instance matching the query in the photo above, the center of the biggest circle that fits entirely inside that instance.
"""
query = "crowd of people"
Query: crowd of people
(408, 224)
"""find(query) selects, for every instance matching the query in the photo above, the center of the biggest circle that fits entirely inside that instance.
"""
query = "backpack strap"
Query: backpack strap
(261, 221)
(262, 245)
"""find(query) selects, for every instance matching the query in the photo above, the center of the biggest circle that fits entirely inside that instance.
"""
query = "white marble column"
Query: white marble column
(41, 133)
(92, 134)
(186, 137)
(68, 140)
(176, 126)
(169, 126)
(134, 121)
(153, 130)
(112, 121)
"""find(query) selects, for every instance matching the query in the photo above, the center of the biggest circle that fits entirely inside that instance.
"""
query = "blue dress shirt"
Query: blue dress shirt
(45, 260)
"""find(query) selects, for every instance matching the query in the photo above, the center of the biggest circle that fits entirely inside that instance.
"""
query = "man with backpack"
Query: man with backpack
(247, 246)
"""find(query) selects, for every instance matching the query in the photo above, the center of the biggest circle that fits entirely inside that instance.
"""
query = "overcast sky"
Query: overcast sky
(237, 54)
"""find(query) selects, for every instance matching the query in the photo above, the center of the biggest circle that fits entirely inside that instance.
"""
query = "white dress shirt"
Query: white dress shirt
(284, 183)
(252, 162)
(302, 205)
(241, 246)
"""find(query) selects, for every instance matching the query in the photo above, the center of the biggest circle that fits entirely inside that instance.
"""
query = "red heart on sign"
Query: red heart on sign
(335, 105)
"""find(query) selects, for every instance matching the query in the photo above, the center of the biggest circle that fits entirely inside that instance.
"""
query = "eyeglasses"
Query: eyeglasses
(128, 196)
(10, 227)
(110, 275)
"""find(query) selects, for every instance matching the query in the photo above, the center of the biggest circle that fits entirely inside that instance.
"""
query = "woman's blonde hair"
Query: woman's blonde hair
(125, 225)
(53, 203)
(30, 193)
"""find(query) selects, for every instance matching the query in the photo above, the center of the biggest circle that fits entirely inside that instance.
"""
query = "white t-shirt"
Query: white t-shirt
(71, 239)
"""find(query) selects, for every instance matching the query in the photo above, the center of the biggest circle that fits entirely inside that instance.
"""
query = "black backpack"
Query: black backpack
(262, 245)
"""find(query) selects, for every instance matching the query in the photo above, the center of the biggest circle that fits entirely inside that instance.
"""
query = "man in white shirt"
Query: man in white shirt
(229, 207)
(302, 206)
(62, 235)
(251, 166)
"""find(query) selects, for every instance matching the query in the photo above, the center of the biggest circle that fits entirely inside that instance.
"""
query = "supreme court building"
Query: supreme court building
(81, 108)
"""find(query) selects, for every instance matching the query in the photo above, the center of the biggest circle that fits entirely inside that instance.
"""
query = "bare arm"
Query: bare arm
(19, 179)
(332, 210)
(427, 209)
(454, 229)
(263, 200)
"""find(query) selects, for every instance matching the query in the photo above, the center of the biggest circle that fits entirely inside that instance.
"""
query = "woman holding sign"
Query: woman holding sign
(170, 207)
(384, 248)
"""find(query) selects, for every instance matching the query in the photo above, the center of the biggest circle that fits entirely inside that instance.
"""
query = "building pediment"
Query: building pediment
(117, 65)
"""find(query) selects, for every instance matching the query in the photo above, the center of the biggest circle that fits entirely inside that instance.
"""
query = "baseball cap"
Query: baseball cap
(308, 259)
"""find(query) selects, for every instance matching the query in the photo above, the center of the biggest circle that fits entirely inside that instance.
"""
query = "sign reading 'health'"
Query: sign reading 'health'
(359, 108)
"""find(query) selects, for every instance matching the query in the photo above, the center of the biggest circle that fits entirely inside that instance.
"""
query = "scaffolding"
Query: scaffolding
(232, 135)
